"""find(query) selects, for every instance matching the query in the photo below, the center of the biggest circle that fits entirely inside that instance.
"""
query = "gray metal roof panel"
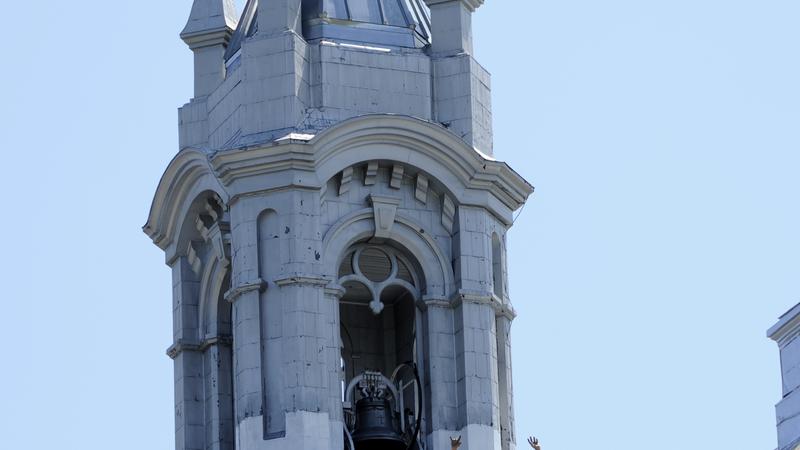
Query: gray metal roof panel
(376, 22)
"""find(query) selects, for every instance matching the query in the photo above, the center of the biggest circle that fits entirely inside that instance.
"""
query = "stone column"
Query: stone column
(187, 358)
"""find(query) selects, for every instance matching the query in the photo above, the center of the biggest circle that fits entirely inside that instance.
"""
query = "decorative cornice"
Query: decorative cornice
(430, 301)
(480, 298)
(263, 159)
(787, 328)
(503, 309)
(258, 285)
(476, 171)
(184, 345)
(471, 178)
(207, 19)
(469, 297)
(211, 341)
(207, 38)
(303, 280)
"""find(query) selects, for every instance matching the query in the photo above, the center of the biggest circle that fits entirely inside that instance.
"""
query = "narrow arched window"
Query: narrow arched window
(497, 265)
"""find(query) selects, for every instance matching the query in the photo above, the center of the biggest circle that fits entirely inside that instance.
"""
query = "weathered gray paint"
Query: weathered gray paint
(292, 152)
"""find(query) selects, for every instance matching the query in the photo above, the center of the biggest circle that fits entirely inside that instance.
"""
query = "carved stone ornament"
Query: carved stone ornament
(385, 210)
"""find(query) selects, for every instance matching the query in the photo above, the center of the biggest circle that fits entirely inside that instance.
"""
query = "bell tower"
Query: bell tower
(336, 226)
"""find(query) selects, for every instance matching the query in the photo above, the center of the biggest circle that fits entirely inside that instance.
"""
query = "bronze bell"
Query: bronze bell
(376, 426)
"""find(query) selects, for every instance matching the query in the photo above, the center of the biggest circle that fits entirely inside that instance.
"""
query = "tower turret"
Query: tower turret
(336, 230)
(207, 33)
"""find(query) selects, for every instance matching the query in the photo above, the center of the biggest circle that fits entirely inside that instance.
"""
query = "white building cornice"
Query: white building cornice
(423, 140)
(471, 178)
(787, 328)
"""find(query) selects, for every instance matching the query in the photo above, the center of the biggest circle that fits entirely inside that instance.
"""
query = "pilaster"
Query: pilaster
(476, 367)
(189, 407)
(217, 359)
(439, 369)
(247, 363)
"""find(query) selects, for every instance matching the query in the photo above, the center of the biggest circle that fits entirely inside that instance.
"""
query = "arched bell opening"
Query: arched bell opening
(380, 347)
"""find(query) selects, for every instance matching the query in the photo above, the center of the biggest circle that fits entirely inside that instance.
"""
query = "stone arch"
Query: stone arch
(188, 176)
(212, 306)
(469, 176)
(360, 226)
(216, 346)
(381, 324)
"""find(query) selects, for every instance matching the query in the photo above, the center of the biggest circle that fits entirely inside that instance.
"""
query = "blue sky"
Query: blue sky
(661, 243)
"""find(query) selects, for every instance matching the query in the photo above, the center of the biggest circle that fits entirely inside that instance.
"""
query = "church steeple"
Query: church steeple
(336, 228)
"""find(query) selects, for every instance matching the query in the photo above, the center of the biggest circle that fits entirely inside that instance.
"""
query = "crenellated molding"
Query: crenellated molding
(303, 280)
